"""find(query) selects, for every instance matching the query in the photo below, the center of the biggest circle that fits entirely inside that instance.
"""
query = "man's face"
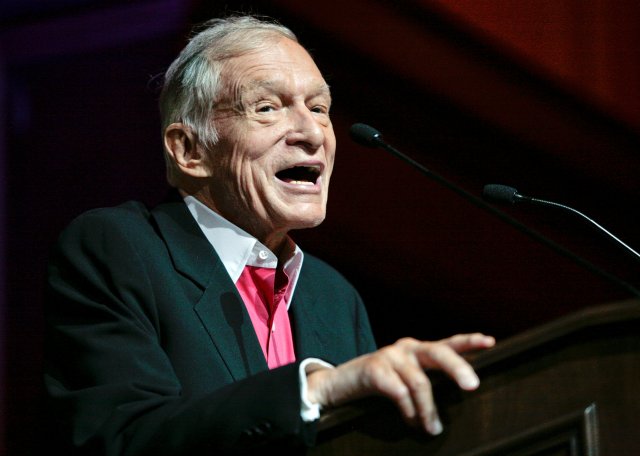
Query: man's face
(271, 168)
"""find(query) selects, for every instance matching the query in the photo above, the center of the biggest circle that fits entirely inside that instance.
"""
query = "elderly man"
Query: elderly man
(199, 326)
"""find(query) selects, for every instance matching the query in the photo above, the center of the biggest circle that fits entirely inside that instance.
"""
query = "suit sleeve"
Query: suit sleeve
(112, 388)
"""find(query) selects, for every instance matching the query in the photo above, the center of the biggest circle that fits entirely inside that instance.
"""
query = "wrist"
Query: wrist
(316, 386)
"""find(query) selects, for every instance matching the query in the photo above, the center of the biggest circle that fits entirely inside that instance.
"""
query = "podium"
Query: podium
(569, 387)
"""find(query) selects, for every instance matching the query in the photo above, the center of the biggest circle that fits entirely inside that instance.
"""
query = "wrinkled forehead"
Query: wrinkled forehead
(280, 67)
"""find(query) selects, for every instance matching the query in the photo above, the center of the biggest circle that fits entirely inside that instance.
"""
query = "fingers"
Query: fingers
(393, 385)
(420, 396)
(445, 355)
(398, 372)
(395, 373)
(439, 355)
(462, 343)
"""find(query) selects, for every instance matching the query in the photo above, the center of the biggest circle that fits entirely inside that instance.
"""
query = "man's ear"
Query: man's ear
(186, 152)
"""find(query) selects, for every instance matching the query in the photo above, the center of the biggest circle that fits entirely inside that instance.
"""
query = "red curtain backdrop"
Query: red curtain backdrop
(588, 46)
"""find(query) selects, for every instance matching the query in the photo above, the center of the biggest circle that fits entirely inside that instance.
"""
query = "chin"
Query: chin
(301, 223)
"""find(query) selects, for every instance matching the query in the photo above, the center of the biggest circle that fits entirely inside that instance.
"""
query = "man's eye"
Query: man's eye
(266, 108)
(320, 110)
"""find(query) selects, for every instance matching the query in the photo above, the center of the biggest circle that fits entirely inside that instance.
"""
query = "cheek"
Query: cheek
(250, 143)
(230, 152)
(330, 145)
(226, 172)
(331, 157)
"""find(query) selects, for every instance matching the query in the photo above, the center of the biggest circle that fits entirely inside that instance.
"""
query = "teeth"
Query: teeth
(300, 175)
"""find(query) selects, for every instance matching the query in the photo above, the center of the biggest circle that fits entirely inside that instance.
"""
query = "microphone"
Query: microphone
(501, 193)
(365, 135)
(368, 136)
(506, 194)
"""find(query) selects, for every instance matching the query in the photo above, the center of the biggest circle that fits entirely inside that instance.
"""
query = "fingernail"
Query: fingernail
(434, 427)
(469, 381)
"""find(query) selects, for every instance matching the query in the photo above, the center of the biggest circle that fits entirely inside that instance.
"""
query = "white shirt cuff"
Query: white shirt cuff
(309, 411)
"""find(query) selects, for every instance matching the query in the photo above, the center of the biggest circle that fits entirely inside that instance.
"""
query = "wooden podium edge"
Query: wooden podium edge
(579, 321)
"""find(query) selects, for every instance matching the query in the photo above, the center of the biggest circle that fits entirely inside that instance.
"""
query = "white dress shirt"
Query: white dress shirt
(237, 249)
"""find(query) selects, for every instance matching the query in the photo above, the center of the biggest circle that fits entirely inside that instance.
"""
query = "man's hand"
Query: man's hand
(397, 372)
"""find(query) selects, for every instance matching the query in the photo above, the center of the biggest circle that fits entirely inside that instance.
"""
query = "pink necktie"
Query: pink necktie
(263, 291)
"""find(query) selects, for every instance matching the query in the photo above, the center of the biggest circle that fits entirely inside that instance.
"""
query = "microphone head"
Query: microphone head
(365, 135)
(500, 193)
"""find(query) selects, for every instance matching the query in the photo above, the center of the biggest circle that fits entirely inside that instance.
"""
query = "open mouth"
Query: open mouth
(300, 175)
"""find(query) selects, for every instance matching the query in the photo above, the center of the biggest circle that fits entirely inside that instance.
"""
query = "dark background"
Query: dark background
(543, 96)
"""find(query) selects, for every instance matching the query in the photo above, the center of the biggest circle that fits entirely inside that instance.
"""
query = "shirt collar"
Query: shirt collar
(237, 248)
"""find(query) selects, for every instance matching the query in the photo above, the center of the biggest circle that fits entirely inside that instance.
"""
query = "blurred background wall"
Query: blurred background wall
(540, 95)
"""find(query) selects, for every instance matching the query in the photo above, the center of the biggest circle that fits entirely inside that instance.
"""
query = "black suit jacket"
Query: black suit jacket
(150, 349)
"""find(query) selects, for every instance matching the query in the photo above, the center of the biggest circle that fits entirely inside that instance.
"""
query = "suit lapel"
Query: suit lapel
(225, 316)
(219, 306)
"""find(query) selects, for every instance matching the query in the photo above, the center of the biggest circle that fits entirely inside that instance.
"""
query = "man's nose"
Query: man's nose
(305, 129)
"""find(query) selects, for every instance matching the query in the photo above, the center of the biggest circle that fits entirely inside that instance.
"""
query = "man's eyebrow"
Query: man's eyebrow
(323, 89)
(261, 83)
(274, 85)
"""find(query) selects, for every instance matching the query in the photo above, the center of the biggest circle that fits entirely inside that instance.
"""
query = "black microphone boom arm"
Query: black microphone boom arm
(368, 136)
(503, 193)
